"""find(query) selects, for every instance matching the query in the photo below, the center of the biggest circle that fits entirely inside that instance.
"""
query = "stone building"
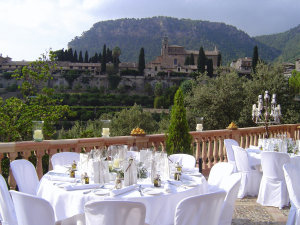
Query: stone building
(242, 65)
(298, 64)
(173, 58)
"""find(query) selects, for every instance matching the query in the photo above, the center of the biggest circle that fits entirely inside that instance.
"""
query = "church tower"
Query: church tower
(164, 47)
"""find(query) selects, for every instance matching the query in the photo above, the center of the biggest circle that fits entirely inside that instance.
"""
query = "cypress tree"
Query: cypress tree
(254, 58)
(210, 67)
(70, 57)
(201, 60)
(187, 60)
(80, 59)
(142, 61)
(86, 57)
(178, 138)
(219, 62)
(103, 62)
(192, 59)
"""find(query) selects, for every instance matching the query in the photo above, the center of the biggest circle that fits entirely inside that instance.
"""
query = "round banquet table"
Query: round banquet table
(160, 205)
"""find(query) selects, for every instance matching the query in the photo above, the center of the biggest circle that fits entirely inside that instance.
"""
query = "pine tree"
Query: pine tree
(201, 60)
(86, 57)
(142, 61)
(178, 138)
(254, 58)
(103, 62)
(80, 59)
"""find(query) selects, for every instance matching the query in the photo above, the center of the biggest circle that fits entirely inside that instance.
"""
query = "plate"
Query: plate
(101, 192)
(152, 191)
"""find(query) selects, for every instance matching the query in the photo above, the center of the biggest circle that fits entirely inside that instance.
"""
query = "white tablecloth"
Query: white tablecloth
(160, 209)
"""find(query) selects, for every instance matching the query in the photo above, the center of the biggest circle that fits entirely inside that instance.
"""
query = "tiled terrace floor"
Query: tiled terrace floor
(248, 212)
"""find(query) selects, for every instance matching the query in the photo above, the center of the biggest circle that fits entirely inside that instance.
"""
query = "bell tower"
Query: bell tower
(164, 47)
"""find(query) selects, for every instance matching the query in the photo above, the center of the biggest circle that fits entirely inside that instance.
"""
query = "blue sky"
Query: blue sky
(29, 28)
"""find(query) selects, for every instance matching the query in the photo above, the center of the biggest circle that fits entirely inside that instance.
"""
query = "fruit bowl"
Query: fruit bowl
(232, 126)
(137, 132)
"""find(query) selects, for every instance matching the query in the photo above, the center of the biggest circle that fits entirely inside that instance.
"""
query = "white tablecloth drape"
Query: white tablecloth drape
(160, 209)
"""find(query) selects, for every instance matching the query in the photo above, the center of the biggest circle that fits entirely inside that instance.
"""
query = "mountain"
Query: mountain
(132, 34)
(287, 42)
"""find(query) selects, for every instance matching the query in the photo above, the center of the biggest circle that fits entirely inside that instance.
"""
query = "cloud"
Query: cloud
(29, 27)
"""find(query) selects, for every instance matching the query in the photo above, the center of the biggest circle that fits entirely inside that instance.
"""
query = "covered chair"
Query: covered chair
(218, 173)
(62, 159)
(186, 160)
(291, 174)
(273, 190)
(231, 185)
(229, 151)
(200, 209)
(25, 176)
(110, 212)
(7, 209)
(32, 210)
(250, 177)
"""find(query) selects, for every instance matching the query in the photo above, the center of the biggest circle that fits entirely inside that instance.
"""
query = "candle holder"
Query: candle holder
(37, 127)
(266, 112)
(199, 123)
(105, 128)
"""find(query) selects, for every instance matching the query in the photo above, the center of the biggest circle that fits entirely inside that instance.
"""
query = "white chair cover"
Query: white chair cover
(133, 154)
(7, 209)
(250, 178)
(32, 210)
(25, 176)
(61, 159)
(200, 210)
(273, 190)
(291, 174)
(185, 160)
(231, 185)
(114, 213)
(78, 219)
(229, 151)
(219, 172)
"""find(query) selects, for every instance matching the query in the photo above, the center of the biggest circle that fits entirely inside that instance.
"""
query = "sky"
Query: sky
(29, 28)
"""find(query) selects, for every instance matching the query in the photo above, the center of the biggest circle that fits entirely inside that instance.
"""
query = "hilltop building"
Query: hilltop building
(242, 65)
(173, 58)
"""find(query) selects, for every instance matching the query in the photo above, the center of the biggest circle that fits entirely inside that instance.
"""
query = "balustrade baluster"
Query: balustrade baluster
(204, 154)
(11, 180)
(210, 152)
(215, 151)
(221, 149)
(39, 167)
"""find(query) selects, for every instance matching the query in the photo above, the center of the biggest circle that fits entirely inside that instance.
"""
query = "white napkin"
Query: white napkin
(116, 192)
(164, 166)
(98, 170)
(130, 172)
(190, 170)
(60, 178)
(81, 187)
(187, 177)
(170, 188)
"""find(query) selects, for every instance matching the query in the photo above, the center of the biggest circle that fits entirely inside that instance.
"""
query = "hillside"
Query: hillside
(287, 42)
(132, 34)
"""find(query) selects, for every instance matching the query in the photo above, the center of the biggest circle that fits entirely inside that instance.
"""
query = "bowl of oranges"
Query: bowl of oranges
(137, 132)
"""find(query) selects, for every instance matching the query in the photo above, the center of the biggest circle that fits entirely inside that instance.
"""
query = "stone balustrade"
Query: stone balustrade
(208, 145)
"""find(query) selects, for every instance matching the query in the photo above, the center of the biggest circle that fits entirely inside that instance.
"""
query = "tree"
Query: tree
(187, 60)
(80, 59)
(201, 60)
(70, 56)
(192, 59)
(219, 62)
(254, 58)
(158, 89)
(141, 61)
(116, 54)
(37, 103)
(75, 57)
(103, 62)
(178, 138)
(86, 57)
(294, 82)
(210, 67)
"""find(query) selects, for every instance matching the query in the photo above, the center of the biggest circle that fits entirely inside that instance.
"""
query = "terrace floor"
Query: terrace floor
(248, 212)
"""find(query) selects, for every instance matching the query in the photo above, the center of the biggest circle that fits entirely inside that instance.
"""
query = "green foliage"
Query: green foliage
(158, 89)
(12, 88)
(178, 138)
(210, 68)
(148, 89)
(70, 76)
(142, 61)
(129, 72)
(294, 82)
(104, 59)
(7, 75)
(159, 102)
(114, 81)
(127, 119)
(16, 115)
(186, 86)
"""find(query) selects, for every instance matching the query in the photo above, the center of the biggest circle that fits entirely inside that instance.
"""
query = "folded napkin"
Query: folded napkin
(190, 170)
(170, 188)
(81, 187)
(116, 192)
(65, 179)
